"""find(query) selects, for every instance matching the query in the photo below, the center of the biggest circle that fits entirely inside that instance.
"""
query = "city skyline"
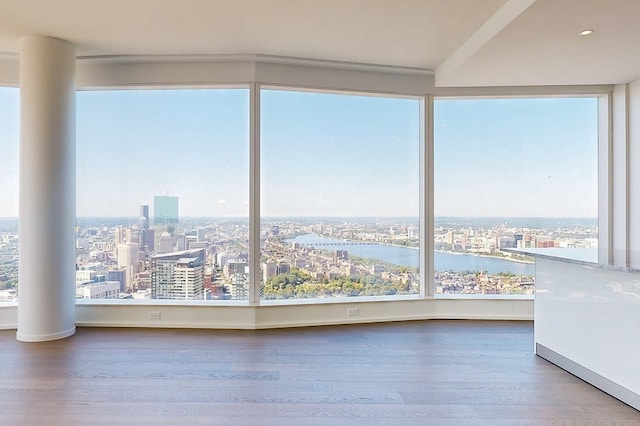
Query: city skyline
(479, 143)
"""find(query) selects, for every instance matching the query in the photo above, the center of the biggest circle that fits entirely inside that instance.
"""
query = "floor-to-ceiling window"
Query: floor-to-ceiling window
(162, 194)
(511, 173)
(339, 195)
(9, 124)
(164, 204)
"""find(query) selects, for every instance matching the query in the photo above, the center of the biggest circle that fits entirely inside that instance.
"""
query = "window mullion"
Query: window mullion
(427, 287)
(254, 194)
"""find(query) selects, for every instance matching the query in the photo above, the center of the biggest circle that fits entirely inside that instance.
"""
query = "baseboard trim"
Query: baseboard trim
(45, 337)
(612, 388)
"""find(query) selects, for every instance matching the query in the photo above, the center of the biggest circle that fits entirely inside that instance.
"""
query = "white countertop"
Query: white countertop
(578, 256)
(572, 255)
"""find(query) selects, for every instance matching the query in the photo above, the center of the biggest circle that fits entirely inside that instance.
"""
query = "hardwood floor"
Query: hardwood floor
(409, 373)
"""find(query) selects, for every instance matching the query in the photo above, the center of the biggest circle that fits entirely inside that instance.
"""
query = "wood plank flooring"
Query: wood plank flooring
(407, 373)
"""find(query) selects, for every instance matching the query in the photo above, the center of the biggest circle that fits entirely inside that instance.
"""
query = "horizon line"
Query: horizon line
(333, 217)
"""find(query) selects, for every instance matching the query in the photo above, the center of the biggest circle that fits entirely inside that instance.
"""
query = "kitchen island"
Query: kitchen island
(587, 319)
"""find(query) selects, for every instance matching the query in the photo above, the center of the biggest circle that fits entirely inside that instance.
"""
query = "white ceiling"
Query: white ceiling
(466, 42)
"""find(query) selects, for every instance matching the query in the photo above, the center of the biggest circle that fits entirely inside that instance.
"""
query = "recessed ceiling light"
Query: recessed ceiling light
(586, 32)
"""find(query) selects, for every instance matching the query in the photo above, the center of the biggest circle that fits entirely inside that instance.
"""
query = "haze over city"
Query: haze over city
(322, 155)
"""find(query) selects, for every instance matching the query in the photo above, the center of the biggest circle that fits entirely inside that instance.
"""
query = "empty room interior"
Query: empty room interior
(306, 212)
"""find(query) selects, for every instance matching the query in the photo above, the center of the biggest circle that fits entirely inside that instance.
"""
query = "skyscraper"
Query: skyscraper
(237, 274)
(166, 243)
(165, 210)
(147, 241)
(144, 216)
(188, 279)
(178, 275)
(128, 258)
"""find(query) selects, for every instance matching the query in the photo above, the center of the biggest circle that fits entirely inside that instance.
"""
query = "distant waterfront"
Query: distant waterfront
(405, 256)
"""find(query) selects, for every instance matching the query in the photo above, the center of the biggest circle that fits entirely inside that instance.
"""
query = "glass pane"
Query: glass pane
(162, 199)
(339, 179)
(9, 125)
(511, 173)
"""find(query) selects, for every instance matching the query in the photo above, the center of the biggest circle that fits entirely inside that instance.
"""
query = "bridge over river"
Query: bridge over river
(341, 243)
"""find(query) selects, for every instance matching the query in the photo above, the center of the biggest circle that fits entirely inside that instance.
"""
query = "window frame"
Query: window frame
(604, 159)
(211, 72)
(425, 286)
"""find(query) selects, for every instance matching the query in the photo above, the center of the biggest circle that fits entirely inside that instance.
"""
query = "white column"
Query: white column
(46, 298)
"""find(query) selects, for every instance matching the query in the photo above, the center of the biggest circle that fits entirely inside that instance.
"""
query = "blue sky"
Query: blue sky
(132, 145)
(332, 155)
(516, 157)
(9, 125)
(322, 154)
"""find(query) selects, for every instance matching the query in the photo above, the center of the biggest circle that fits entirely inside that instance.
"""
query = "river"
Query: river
(405, 256)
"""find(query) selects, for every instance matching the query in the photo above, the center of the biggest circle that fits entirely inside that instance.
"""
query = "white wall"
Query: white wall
(104, 313)
(277, 315)
(622, 197)
(633, 119)
(8, 316)
(243, 69)
(9, 70)
(616, 181)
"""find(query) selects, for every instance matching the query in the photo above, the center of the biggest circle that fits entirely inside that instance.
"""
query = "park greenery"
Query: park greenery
(298, 284)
